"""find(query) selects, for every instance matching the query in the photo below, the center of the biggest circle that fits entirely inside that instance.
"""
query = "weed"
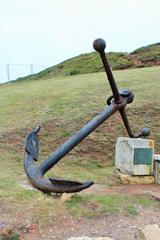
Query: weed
(133, 211)
(10, 236)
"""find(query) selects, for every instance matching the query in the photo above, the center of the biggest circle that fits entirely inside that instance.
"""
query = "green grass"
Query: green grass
(100, 205)
(70, 98)
(62, 105)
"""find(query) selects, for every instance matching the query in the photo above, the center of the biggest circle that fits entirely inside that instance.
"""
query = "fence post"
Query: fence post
(8, 72)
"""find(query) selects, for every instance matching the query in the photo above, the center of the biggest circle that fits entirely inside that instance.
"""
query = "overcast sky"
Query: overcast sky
(47, 32)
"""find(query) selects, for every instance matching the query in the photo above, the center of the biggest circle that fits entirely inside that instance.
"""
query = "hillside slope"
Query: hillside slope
(146, 56)
(91, 63)
(62, 106)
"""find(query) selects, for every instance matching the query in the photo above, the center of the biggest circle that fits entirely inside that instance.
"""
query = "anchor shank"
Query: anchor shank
(79, 136)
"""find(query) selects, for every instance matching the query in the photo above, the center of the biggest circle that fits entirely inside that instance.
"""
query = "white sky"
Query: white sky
(47, 32)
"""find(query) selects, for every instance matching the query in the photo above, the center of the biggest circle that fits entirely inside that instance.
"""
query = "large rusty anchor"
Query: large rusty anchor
(117, 102)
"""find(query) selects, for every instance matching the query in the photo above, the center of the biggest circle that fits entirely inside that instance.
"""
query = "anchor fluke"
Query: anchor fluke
(32, 143)
(36, 173)
(70, 186)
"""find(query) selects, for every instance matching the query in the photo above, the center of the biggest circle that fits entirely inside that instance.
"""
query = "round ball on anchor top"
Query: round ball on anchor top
(145, 132)
(99, 45)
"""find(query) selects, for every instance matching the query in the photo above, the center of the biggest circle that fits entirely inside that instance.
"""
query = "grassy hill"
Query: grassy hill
(91, 63)
(62, 106)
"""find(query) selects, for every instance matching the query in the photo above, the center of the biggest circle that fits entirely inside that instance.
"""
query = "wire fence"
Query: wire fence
(9, 72)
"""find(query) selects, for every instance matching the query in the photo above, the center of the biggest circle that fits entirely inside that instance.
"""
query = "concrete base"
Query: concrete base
(134, 156)
(131, 179)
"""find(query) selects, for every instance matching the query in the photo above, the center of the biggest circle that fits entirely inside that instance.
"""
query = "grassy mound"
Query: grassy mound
(91, 63)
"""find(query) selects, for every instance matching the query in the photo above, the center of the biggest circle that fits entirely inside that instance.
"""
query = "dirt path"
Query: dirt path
(151, 189)
(118, 226)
